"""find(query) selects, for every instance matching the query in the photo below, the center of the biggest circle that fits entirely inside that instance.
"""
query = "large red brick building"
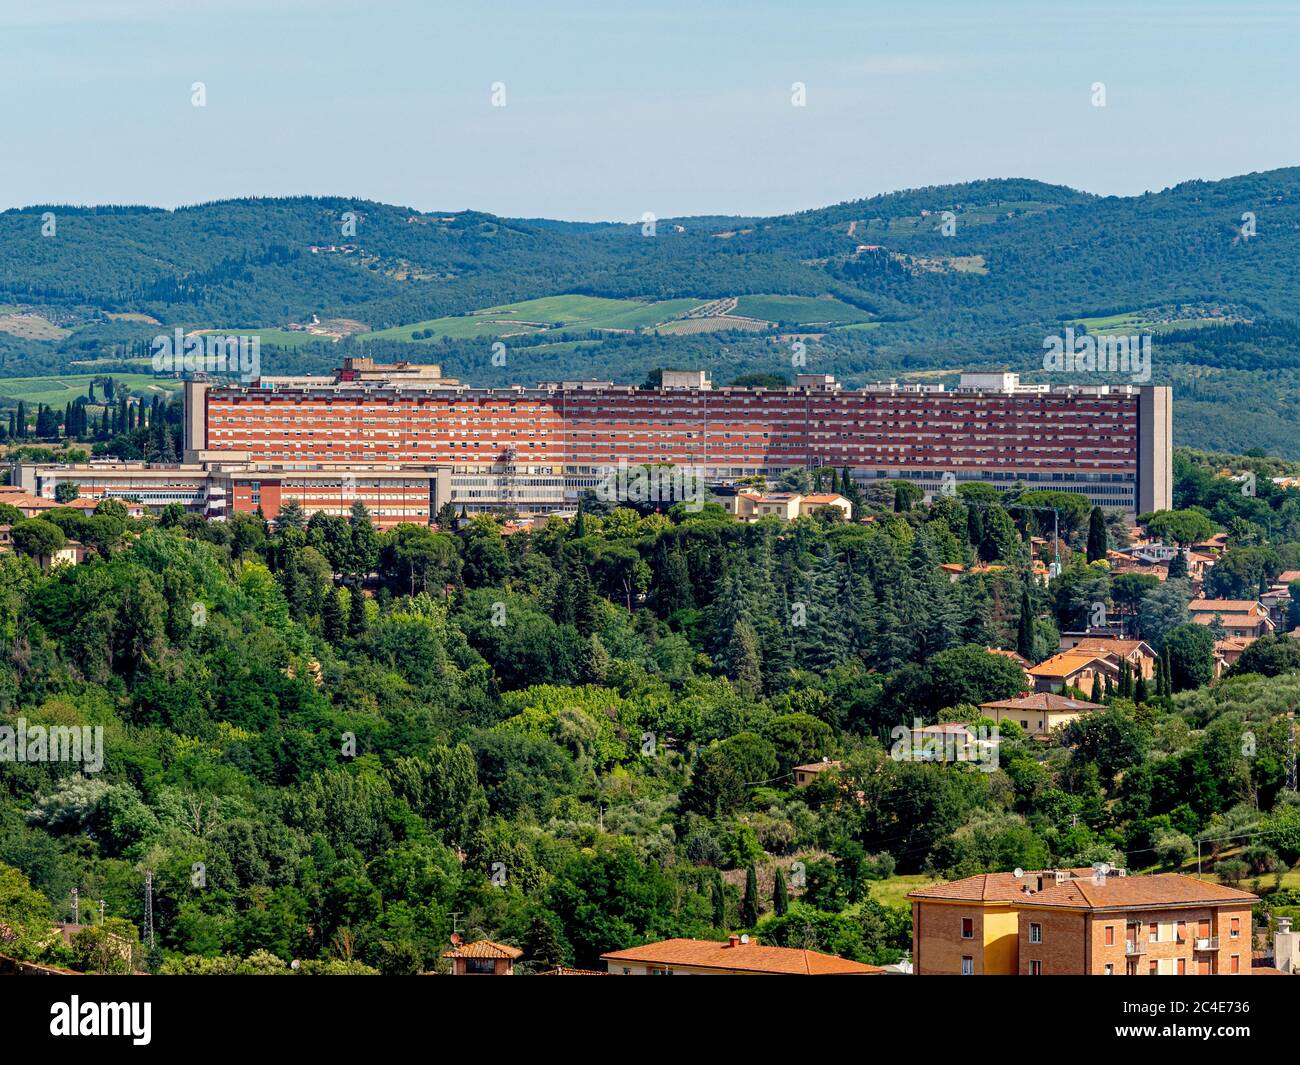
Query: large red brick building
(432, 440)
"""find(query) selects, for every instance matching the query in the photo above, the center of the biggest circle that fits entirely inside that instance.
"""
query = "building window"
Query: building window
(1154, 969)
(1235, 929)
(968, 928)
(1108, 970)
(480, 965)
(967, 965)
(1035, 933)
(1110, 935)
(1235, 964)
(1035, 968)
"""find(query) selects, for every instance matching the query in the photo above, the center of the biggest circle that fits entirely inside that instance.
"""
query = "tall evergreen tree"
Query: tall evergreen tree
(1025, 624)
(749, 911)
(1097, 539)
(719, 894)
(333, 624)
(780, 893)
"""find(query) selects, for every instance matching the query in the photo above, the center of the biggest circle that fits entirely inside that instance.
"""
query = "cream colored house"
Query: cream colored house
(1039, 714)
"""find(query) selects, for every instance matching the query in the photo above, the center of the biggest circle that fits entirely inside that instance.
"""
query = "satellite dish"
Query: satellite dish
(1018, 873)
(744, 939)
(455, 939)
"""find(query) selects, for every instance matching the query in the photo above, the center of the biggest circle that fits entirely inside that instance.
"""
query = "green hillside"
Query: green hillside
(887, 287)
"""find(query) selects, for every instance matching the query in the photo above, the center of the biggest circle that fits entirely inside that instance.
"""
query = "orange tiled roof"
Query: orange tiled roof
(742, 957)
(1084, 891)
(1066, 663)
(1116, 646)
(1224, 606)
(562, 970)
(483, 948)
(1042, 701)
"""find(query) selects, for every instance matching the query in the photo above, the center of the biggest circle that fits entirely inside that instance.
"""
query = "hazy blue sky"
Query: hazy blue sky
(613, 109)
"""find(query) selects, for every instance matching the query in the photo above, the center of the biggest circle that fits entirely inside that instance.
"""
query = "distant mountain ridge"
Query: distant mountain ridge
(949, 276)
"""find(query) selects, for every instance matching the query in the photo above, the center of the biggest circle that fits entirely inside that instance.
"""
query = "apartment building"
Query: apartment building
(1091, 922)
(1110, 443)
(1239, 617)
(404, 440)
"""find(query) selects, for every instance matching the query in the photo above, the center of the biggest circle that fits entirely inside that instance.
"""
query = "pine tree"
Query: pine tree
(357, 622)
(333, 625)
(780, 894)
(743, 663)
(749, 909)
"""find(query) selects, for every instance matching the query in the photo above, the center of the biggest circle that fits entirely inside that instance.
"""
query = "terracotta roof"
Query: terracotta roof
(561, 970)
(1115, 646)
(483, 948)
(742, 957)
(1085, 892)
(1015, 656)
(1288, 575)
(1042, 701)
(1224, 606)
(1067, 662)
(816, 767)
(818, 498)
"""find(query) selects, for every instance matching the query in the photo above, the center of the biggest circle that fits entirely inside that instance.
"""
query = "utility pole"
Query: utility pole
(1291, 760)
(74, 906)
(148, 908)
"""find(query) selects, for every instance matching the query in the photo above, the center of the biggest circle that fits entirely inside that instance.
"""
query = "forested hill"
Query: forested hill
(946, 277)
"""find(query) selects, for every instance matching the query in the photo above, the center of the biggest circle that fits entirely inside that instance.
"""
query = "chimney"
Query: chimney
(733, 941)
(1286, 947)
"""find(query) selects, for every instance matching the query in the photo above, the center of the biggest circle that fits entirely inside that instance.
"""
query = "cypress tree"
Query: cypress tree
(1025, 625)
(780, 894)
(1097, 540)
(1096, 688)
(1140, 689)
(750, 916)
(719, 902)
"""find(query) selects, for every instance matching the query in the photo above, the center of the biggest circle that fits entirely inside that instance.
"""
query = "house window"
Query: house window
(1235, 930)
(1154, 970)
(968, 928)
(480, 965)
(1110, 935)
(967, 965)
(1035, 968)
(1035, 933)
(1108, 970)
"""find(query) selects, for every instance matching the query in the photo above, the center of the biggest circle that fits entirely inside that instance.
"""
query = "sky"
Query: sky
(612, 109)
